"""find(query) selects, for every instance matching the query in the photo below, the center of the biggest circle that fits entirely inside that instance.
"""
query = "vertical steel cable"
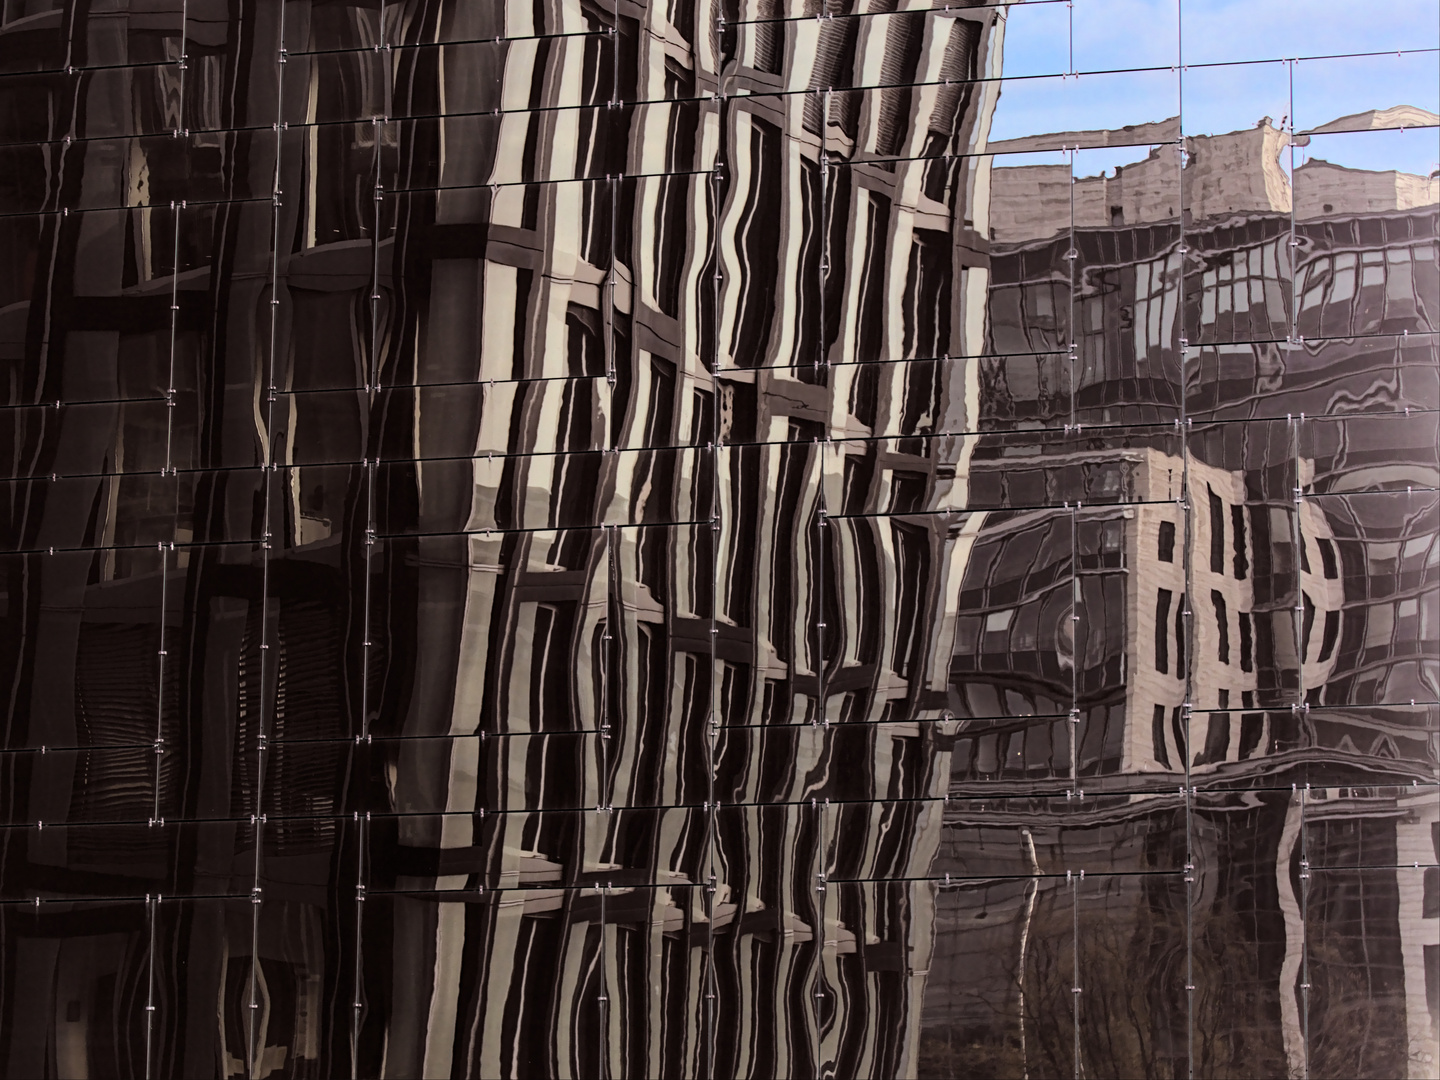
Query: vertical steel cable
(1187, 600)
(1072, 256)
(614, 186)
(368, 467)
(1304, 935)
(717, 32)
(1292, 343)
(1299, 709)
(167, 470)
(268, 470)
(822, 531)
(1073, 880)
(1073, 718)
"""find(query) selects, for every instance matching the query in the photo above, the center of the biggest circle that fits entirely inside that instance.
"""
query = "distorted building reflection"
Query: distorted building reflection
(1296, 680)
(575, 538)
(471, 455)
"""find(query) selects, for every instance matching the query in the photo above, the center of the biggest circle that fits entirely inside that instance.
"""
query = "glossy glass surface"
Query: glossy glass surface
(719, 538)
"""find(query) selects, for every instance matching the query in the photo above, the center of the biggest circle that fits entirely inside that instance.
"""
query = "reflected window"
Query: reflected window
(1222, 625)
(1180, 614)
(1157, 737)
(1167, 541)
(1217, 533)
(1237, 535)
(1327, 558)
(1162, 632)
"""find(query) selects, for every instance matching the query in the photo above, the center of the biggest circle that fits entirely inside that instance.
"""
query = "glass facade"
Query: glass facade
(757, 538)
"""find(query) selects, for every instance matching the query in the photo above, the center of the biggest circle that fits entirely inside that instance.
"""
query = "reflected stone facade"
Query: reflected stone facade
(597, 538)
(1305, 598)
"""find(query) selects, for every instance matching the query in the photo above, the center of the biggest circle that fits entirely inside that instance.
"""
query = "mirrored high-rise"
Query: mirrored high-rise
(600, 538)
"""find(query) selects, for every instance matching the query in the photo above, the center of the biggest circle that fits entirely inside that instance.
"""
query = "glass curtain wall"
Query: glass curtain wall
(719, 538)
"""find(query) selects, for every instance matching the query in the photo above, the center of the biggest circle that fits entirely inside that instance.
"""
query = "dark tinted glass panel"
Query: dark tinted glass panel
(744, 538)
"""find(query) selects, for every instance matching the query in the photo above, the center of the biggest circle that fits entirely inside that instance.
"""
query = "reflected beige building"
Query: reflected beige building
(697, 410)
(584, 539)
(1276, 631)
(1234, 173)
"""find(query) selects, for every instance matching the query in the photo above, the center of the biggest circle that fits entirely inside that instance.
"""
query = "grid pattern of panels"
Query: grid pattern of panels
(718, 538)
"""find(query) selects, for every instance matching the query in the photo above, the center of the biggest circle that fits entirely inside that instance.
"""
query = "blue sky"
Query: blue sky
(1249, 41)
